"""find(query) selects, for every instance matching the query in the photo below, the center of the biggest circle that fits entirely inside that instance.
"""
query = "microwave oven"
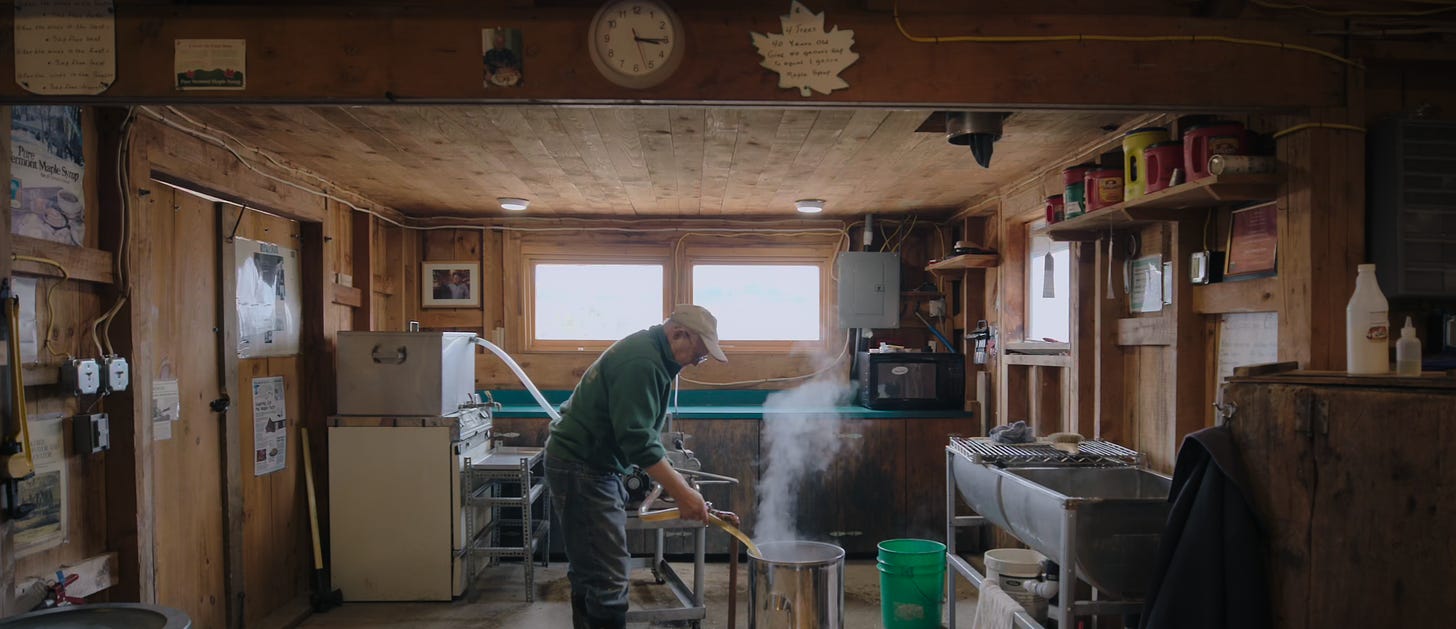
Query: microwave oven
(911, 380)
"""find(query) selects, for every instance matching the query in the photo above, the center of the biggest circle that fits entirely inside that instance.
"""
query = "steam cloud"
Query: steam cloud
(801, 437)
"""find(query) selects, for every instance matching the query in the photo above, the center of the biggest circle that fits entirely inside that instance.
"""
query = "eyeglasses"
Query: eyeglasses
(703, 355)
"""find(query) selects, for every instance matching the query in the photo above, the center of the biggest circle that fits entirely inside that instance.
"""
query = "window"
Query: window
(761, 302)
(1048, 287)
(595, 302)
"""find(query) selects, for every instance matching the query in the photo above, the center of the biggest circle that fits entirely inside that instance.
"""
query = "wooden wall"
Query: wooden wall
(74, 304)
(203, 532)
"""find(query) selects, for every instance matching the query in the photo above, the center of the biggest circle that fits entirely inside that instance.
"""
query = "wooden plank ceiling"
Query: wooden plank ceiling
(649, 161)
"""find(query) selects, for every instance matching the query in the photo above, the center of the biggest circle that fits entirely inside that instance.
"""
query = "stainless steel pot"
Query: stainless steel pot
(796, 585)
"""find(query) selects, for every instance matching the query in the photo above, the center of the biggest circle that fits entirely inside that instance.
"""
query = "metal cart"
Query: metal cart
(507, 478)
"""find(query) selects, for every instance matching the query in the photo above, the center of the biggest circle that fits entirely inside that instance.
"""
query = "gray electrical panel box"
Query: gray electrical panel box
(869, 290)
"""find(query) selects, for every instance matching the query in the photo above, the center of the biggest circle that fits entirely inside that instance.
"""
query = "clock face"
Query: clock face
(636, 43)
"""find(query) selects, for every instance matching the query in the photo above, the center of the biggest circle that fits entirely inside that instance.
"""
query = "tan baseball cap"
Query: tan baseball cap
(702, 323)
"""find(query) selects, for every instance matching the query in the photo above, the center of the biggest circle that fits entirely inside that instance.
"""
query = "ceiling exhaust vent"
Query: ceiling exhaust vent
(976, 129)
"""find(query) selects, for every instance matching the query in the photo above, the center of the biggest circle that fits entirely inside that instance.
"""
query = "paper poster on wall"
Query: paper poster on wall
(501, 53)
(45, 527)
(1246, 338)
(65, 46)
(270, 425)
(210, 64)
(1146, 293)
(47, 169)
(24, 288)
(166, 408)
(268, 300)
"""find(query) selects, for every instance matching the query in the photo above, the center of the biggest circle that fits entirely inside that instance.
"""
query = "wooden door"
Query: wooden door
(176, 312)
(728, 447)
(867, 476)
(1381, 549)
(923, 483)
(1280, 466)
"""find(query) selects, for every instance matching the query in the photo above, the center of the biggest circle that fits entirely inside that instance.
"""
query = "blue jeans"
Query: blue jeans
(591, 504)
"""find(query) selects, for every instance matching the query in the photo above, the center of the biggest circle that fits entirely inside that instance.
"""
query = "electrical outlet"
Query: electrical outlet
(117, 373)
(91, 433)
(81, 376)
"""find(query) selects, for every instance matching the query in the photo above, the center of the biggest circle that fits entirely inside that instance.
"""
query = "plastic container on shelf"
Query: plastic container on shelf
(1075, 195)
(1134, 164)
(1202, 141)
(1367, 326)
(1163, 160)
(1408, 351)
(1104, 188)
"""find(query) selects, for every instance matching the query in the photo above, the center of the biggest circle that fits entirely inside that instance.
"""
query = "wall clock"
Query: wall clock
(636, 43)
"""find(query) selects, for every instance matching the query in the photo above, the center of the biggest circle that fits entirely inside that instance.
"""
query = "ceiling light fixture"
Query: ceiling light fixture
(809, 206)
(513, 204)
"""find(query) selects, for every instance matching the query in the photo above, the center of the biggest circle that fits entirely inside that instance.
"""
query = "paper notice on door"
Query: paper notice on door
(47, 446)
(45, 527)
(166, 408)
(1146, 294)
(24, 288)
(270, 425)
(65, 46)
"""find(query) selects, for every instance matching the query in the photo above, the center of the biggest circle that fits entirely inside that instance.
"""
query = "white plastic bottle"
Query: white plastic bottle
(1408, 351)
(1367, 326)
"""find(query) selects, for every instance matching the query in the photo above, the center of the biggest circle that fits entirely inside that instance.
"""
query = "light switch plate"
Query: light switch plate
(117, 374)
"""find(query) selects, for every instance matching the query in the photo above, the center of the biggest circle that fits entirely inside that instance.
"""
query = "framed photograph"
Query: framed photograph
(451, 285)
(1252, 242)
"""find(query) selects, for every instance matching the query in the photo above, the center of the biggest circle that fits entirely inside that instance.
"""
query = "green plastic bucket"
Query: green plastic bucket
(912, 583)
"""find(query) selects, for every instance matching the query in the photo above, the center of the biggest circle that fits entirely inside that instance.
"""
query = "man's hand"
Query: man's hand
(690, 503)
(691, 506)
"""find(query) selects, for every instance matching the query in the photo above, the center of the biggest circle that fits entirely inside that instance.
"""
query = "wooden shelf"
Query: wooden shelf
(1170, 204)
(957, 264)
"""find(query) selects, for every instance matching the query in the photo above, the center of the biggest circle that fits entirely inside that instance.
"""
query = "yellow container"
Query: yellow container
(1135, 169)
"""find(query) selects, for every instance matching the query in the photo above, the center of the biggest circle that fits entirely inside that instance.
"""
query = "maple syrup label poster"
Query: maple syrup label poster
(45, 526)
(47, 174)
(807, 57)
(210, 64)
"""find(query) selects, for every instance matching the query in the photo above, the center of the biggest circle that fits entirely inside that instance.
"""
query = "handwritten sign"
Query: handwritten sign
(65, 46)
(805, 56)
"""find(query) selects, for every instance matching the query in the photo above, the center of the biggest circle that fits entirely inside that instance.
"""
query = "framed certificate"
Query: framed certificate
(1252, 242)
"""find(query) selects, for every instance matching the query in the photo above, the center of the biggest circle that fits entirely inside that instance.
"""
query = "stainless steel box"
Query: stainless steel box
(869, 290)
(405, 373)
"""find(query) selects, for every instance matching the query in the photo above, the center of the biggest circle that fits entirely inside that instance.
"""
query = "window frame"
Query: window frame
(767, 255)
(1036, 228)
(533, 255)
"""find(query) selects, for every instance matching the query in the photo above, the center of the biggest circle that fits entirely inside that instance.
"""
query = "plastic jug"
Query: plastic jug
(1367, 326)
(1134, 166)
(1163, 160)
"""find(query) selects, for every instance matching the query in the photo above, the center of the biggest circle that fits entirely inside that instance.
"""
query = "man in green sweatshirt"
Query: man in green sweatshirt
(611, 423)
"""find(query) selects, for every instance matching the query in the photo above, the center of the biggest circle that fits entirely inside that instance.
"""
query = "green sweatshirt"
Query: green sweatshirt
(613, 419)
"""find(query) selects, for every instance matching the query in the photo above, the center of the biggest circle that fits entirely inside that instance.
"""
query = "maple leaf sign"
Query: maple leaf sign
(805, 56)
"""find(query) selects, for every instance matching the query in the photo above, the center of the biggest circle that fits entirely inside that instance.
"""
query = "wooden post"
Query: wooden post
(363, 269)
(232, 436)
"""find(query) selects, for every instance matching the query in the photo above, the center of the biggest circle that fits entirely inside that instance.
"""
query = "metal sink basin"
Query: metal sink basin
(101, 616)
(1109, 518)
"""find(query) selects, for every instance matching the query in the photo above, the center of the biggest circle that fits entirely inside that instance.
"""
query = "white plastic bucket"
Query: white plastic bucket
(1011, 569)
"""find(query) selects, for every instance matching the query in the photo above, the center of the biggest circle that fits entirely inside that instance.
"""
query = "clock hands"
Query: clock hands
(649, 40)
(640, 54)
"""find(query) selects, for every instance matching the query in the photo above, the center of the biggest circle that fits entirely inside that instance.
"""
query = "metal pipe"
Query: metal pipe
(732, 582)
(1067, 563)
(950, 537)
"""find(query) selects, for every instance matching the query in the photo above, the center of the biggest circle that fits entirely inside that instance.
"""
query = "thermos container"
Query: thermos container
(1104, 187)
(1220, 137)
(1162, 159)
(1134, 165)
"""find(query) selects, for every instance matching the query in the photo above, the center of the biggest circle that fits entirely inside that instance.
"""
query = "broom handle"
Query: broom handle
(318, 551)
(732, 582)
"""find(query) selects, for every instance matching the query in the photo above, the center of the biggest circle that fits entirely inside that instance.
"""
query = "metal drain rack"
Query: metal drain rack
(1089, 454)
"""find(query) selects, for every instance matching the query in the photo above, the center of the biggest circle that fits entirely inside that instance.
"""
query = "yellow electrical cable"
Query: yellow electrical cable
(1317, 125)
(1336, 13)
(17, 382)
(1016, 39)
(50, 293)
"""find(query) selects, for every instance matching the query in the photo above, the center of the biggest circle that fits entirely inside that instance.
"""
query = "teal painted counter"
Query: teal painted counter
(715, 405)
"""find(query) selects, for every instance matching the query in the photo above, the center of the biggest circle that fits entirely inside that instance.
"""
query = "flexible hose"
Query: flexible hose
(520, 375)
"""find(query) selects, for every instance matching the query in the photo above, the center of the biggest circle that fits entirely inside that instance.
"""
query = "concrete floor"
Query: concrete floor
(501, 601)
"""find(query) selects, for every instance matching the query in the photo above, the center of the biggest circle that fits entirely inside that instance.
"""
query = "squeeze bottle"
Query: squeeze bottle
(1408, 351)
(1367, 326)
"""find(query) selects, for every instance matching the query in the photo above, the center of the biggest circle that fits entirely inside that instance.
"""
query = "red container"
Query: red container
(1162, 160)
(1221, 137)
(1054, 209)
(1104, 188)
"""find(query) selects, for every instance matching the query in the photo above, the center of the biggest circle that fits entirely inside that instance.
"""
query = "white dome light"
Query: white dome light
(513, 204)
(809, 206)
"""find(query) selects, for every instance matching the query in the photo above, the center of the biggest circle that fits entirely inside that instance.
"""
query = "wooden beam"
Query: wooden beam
(94, 575)
(81, 263)
(1145, 331)
(362, 254)
(1257, 295)
(232, 418)
(386, 55)
(1037, 360)
(346, 295)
